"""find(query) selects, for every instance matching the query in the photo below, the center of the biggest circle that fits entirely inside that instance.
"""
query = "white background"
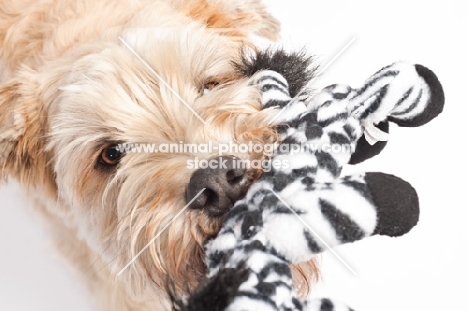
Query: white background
(423, 270)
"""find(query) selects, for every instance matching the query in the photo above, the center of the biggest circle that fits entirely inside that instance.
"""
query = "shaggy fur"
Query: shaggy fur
(69, 89)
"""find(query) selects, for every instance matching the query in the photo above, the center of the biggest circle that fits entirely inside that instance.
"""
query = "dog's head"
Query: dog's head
(89, 128)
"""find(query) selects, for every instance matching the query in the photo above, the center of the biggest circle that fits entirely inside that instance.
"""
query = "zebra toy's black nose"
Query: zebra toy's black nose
(224, 181)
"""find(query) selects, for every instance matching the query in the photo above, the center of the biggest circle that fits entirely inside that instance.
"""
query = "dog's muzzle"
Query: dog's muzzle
(225, 181)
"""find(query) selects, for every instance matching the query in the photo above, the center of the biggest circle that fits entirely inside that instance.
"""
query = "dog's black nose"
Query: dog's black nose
(224, 180)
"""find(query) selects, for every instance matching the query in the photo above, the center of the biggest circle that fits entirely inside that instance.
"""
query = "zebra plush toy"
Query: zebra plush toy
(296, 211)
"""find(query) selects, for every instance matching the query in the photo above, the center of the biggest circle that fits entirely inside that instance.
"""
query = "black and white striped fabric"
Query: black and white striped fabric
(296, 211)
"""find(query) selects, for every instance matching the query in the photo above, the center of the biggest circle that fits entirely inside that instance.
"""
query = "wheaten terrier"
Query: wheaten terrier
(74, 88)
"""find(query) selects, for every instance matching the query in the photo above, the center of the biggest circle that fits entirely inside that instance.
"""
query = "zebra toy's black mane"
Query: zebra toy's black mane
(297, 67)
(249, 261)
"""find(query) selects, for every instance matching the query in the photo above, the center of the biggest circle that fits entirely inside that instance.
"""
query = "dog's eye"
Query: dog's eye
(110, 156)
(207, 87)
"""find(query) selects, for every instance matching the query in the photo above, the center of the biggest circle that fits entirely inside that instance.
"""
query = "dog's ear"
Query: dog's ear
(239, 21)
(22, 131)
(11, 126)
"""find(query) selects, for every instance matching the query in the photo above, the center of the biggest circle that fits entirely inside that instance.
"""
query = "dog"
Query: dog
(78, 79)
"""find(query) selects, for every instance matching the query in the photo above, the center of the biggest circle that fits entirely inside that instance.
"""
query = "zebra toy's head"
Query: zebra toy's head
(304, 205)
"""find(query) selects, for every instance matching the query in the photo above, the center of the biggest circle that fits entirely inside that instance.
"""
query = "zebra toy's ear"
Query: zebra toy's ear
(408, 95)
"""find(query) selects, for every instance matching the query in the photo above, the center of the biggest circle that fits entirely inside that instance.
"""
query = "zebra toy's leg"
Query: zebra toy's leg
(408, 95)
(322, 215)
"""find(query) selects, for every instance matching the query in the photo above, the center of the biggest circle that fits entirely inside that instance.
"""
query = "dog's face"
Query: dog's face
(129, 198)
(60, 127)
(103, 96)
